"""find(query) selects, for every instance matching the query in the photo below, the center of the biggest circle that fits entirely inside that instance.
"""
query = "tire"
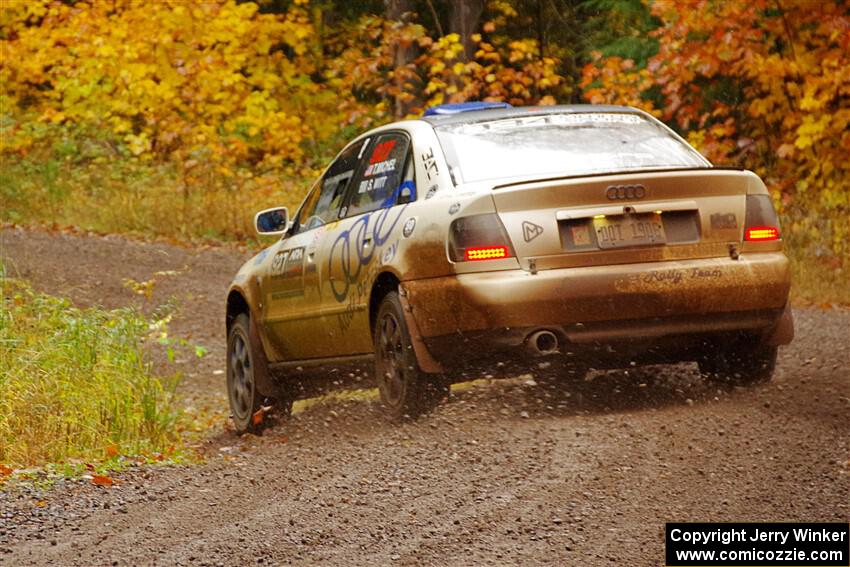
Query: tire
(245, 363)
(406, 391)
(743, 365)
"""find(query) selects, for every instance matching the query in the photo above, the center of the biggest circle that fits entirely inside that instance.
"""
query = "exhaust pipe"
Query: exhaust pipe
(543, 342)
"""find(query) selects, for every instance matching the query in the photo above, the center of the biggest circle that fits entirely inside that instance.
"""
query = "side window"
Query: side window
(387, 172)
(323, 204)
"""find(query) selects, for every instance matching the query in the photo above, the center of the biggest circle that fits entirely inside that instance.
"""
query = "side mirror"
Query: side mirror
(272, 222)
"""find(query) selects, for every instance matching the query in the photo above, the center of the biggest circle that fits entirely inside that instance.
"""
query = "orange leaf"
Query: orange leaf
(5, 471)
(40, 504)
(101, 480)
(111, 450)
(258, 416)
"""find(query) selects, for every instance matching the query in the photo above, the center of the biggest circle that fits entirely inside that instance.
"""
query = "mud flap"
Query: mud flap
(262, 375)
(427, 363)
(782, 333)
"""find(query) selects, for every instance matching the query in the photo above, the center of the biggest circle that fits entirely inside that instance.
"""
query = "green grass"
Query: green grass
(119, 195)
(818, 282)
(75, 385)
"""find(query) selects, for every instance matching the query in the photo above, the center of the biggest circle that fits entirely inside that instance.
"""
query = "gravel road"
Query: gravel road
(497, 475)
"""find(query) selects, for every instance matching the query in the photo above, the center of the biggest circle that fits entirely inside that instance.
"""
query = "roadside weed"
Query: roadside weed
(75, 384)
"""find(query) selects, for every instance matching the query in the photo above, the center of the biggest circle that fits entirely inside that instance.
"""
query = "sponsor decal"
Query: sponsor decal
(369, 185)
(389, 254)
(530, 231)
(409, 226)
(348, 254)
(294, 263)
(432, 190)
(581, 235)
(382, 151)
(380, 167)
(667, 277)
(454, 208)
(406, 193)
(429, 162)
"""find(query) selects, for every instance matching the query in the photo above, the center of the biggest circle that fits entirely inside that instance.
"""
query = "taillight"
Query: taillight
(761, 223)
(761, 233)
(486, 253)
(479, 237)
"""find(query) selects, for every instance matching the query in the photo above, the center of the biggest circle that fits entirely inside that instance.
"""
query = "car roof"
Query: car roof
(518, 111)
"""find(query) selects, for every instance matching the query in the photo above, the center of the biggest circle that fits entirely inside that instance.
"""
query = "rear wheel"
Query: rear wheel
(245, 363)
(742, 364)
(405, 390)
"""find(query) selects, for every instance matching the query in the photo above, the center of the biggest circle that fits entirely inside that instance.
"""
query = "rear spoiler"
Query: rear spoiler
(626, 172)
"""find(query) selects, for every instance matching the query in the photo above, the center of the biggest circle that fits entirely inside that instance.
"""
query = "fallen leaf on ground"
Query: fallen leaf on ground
(5, 471)
(102, 480)
(257, 418)
(111, 450)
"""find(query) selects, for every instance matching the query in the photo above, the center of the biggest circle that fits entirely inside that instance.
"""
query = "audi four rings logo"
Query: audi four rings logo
(615, 192)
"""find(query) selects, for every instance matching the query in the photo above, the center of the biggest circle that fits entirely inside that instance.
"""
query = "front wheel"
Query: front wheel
(741, 364)
(245, 363)
(405, 390)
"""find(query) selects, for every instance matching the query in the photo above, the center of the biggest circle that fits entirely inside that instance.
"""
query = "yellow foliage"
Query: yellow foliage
(163, 76)
(761, 85)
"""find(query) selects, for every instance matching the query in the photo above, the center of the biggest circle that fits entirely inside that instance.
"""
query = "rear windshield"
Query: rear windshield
(561, 144)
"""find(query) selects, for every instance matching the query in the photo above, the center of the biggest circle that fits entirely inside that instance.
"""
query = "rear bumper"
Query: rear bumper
(606, 304)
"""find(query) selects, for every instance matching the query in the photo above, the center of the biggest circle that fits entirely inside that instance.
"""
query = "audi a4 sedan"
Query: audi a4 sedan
(483, 235)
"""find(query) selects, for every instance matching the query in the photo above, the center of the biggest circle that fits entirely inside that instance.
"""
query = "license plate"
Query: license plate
(631, 230)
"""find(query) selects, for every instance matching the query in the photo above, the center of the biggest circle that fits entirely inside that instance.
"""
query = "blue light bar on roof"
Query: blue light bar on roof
(459, 107)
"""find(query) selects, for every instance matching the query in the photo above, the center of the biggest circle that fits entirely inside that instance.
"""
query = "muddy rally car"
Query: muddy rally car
(483, 235)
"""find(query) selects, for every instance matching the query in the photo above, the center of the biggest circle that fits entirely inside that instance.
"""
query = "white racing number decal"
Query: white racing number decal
(278, 263)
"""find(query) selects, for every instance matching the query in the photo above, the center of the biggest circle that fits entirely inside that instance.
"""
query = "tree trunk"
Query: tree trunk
(402, 11)
(464, 17)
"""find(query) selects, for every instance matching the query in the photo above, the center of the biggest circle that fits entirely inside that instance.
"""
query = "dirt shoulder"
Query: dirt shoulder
(498, 475)
(93, 270)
